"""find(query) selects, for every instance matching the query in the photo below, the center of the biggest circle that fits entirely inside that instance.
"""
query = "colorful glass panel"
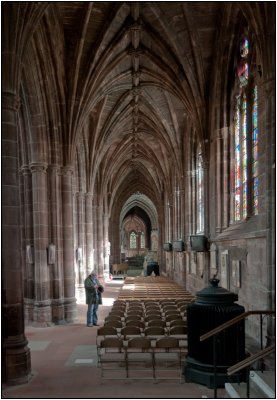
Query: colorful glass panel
(133, 240)
(200, 195)
(255, 150)
(237, 162)
(244, 156)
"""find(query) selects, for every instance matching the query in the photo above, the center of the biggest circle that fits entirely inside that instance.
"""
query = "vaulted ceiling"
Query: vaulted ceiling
(138, 74)
(122, 85)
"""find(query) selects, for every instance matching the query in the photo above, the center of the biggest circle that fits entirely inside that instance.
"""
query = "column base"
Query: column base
(70, 309)
(42, 315)
(16, 362)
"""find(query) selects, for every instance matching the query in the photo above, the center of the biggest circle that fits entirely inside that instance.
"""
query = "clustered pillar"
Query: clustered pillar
(16, 354)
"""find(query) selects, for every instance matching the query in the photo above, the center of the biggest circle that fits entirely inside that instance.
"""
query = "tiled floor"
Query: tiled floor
(64, 365)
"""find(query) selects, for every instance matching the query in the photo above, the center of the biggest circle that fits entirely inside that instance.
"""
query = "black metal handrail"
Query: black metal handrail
(247, 362)
(214, 333)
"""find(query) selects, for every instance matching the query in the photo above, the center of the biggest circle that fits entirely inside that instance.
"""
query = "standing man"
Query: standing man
(94, 292)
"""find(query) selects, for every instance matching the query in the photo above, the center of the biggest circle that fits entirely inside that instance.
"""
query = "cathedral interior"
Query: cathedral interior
(128, 129)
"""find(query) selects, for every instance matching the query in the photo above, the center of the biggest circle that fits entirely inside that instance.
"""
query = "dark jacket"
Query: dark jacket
(91, 297)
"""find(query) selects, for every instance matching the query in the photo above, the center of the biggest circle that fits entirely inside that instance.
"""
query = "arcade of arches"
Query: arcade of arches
(125, 126)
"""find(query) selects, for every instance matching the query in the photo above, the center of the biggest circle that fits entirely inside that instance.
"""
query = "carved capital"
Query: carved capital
(25, 170)
(38, 167)
(67, 170)
(10, 101)
(89, 196)
(54, 168)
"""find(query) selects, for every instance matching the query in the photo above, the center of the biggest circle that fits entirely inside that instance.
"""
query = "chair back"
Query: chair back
(154, 330)
(157, 322)
(106, 330)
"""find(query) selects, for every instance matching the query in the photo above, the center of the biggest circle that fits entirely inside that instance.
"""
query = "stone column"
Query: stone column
(106, 246)
(205, 166)
(56, 269)
(219, 145)
(182, 214)
(95, 234)
(226, 179)
(270, 151)
(16, 360)
(89, 233)
(100, 240)
(81, 237)
(28, 235)
(42, 305)
(193, 201)
(188, 209)
(70, 308)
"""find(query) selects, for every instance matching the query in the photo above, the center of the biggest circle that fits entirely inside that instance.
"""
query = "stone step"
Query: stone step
(262, 386)
(264, 380)
(238, 391)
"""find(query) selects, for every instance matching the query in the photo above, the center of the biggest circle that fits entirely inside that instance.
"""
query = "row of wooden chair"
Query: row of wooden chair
(144, 319)
(152, 288)
(154, 333)
(118, 324)
(139, 359)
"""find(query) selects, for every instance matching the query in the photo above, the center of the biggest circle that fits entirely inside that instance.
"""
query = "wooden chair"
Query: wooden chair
(102, 333)
(118, 310)
(167, 359)
(154, 332)
(135, 305)
(178, 331)
(171, 317)
(139, 358)
(134, 314)
(115, 324)
(167, 309)
(167, 302)
(120, 302)
(112, 357)
(156, 322)
(153, 311)
(133, 317)
(128, 332)
(177, 322)
(152, 315)
(112, 318)
(135, 322)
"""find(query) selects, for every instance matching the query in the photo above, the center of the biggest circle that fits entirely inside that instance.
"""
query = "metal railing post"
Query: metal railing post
(247, 382)
(214, 357)
(261, 330)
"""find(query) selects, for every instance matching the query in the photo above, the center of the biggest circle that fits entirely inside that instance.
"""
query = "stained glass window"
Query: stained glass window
(200, 194)
(142, 241)
(244, 156)
(255, 150)
(237, 162)
(245, 181)
(133, 240)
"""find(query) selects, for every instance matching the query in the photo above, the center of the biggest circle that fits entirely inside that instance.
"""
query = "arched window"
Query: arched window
(199, 192)
(133, 240)
(142, 240)
(245, 184)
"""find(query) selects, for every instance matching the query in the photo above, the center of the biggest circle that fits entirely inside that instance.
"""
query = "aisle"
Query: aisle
(64, 364)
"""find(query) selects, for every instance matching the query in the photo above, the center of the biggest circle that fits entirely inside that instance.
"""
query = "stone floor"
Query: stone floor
(64, 364)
